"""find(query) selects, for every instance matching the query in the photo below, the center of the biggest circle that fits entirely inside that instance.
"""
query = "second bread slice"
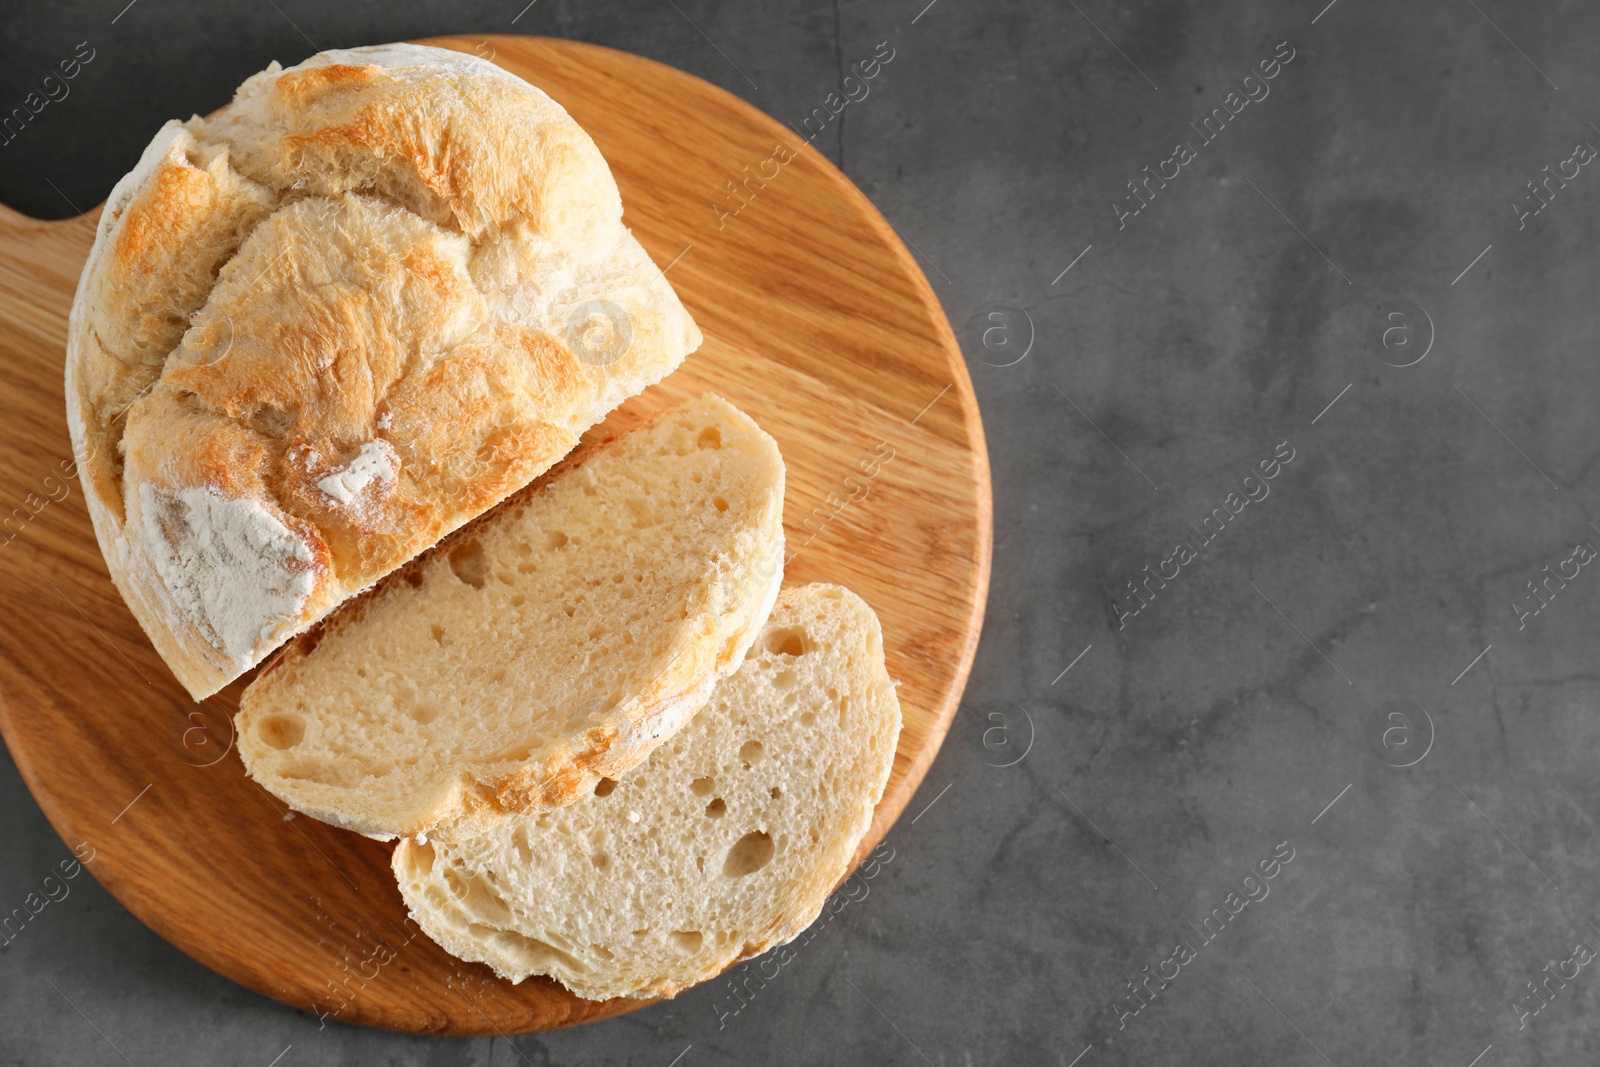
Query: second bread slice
(556, 642)
(727, 842)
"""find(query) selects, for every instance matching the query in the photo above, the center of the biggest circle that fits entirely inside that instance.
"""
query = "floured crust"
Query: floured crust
(339, 318)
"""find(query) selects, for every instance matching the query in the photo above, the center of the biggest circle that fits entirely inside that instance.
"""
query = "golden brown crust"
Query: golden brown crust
(341, 307)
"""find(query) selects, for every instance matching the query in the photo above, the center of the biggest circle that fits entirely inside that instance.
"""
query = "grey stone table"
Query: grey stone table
(1280, 744)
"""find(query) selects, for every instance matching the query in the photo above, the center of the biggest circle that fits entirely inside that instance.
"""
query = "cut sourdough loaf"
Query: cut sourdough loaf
(555, 642)
(725, 843)
(318, 330)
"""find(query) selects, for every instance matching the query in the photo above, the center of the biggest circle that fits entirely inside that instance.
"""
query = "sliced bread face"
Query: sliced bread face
(726, 842)
(552, 644)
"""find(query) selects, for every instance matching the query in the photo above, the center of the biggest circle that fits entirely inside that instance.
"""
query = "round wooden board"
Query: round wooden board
(817, 322)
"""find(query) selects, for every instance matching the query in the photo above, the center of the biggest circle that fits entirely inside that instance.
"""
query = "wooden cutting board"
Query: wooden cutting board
(817, 322)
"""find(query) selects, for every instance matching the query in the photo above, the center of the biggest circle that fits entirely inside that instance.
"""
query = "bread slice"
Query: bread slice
(725, 843)
(551, 644)
(372, 297)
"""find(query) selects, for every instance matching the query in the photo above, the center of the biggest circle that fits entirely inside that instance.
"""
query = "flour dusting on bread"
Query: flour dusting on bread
(376, 462)
(229, 564)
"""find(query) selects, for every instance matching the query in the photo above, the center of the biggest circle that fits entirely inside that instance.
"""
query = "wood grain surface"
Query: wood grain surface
(817, 322)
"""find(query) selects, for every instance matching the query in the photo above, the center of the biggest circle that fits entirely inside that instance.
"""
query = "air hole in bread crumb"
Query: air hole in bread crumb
(751, 752)
(775, 792)
(719, 503)
(786, 641)
(414, 579)
(529, 952)
(437, 631)
(688, 941)
(458, 888)
(716, 809)
(343, 775)
(554, 539)
(701, 787)
(784, 679)
(602, 861)
(748, 855)
(604, 786)
(642, 514)
(641, 933)
(710, 437)
(806, 718)
(423, 713)
(281, 731)
(466, 562)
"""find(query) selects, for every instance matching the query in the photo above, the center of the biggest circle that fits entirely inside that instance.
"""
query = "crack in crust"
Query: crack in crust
(358, 274)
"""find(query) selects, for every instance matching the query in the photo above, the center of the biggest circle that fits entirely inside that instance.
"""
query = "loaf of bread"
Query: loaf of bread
(724, 843)
(366, 301)
(554, 642)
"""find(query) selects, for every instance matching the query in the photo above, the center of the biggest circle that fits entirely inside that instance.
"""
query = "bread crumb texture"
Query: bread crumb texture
(552, 643)
(320, 329)
(723, 844)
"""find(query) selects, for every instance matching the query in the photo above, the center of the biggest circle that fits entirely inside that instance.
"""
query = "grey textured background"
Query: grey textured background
(1175, 354)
